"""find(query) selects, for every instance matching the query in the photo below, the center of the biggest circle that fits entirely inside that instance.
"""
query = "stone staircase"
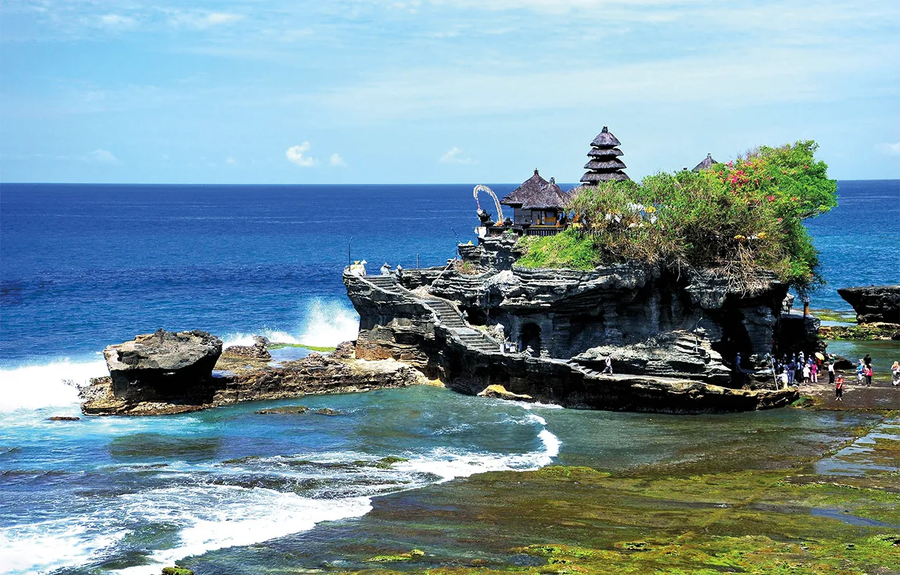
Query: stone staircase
(590, 372)
(446, 313)
(387, 283)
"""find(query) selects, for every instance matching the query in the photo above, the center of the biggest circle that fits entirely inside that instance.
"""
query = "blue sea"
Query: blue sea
(86, 266)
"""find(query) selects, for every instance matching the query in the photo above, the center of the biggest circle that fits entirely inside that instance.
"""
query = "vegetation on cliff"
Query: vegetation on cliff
(735, 219)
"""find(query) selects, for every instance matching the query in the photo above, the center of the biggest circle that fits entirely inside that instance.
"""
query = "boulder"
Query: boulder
(345, 350)
(874, 303)
(162, 364)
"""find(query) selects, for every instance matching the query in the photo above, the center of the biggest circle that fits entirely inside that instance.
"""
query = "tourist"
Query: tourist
(867, 371)
(814, 373)
(807, 372)
(791, 368)
(386, 269)
(608, 368)
(784, 377)
(839, 387)
(831, 372)
(867, 360)
(860, 372)
(895, 373)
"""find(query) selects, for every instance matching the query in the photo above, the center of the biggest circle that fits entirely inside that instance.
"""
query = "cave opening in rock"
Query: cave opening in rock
(531, 336)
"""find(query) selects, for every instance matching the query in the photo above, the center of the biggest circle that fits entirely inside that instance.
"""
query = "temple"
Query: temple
(707, 163)
(538, 206)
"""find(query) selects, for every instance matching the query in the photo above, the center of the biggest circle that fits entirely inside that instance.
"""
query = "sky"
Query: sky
(437, 91)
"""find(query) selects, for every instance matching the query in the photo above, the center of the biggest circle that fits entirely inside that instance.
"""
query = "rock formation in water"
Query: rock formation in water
(198, 389)
(673, 339)
(875, 303)
(162, 364)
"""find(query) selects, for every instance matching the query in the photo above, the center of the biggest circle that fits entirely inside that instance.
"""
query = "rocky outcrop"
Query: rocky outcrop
(428, 333)
(874, 303)
(162, 365)
(314, 374)
(671, 354)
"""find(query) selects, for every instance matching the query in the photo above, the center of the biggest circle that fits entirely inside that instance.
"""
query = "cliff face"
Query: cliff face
(670, 331)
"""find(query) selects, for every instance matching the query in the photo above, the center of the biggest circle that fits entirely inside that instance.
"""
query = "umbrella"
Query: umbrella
(820, 356)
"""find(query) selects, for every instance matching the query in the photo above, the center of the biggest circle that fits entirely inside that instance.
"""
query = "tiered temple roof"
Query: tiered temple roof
(536, 193)
(604, 164)
(706, 164)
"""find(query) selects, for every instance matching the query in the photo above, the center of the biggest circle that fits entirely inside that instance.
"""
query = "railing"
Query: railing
(542, 231)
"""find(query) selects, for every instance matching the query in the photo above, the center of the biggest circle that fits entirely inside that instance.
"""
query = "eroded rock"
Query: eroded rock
(874, 303)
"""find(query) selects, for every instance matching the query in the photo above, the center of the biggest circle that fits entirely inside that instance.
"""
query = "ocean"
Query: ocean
(85, 266)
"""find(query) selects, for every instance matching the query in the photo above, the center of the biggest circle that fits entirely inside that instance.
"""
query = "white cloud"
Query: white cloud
(455, 156)
(117, 21)
(230, 161)
(336, 161)
(295, 155)
(889, 149)
(101, 156)
(203, 20)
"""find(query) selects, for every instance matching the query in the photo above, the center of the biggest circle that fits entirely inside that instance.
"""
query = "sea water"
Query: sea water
(84, 266)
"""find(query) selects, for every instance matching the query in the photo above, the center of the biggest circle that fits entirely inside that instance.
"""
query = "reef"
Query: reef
(673, 339)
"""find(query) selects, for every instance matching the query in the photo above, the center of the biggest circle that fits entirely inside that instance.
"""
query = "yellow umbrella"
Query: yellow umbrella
(820, 356)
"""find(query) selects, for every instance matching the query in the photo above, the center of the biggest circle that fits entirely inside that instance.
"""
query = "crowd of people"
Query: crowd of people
(799, 369)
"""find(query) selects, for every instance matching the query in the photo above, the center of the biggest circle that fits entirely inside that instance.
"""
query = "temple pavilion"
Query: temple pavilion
(538, 206)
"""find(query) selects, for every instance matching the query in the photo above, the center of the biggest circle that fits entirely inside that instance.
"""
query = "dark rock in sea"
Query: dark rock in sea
(314, 374)
(874, 303)
(286, 410)
(326, 411)
(64, 418)
(163, 365)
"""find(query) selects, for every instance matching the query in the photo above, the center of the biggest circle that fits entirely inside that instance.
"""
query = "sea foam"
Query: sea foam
(50, 385)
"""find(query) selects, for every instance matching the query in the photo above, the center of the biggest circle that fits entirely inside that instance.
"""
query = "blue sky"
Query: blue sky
(355, 91)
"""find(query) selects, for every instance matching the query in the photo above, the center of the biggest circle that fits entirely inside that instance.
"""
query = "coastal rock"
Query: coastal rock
(256, 351)
(671, 354)
(314, 374)
(163, 365)
(345, 350)
(64, 418)
(874, 303)
(430, 333)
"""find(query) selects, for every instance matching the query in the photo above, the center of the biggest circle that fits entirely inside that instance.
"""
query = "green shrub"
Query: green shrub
(736, 218)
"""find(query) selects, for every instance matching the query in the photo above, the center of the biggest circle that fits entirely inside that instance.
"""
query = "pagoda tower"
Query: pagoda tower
(604, 164)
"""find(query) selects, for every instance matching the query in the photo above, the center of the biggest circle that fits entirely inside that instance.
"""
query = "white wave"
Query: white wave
(219, 516)
(49, 385)
(325, 324)
(48, 546)
(272, 335)
(328, 323)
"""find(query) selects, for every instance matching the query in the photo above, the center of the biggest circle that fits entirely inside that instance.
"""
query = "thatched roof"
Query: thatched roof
(604, 152)
(605, 139)
(706, 164)
(595, 177)
(536, 193)
(611, 164)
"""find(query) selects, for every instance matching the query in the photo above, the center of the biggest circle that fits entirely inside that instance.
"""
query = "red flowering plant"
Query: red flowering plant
(739, 218)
